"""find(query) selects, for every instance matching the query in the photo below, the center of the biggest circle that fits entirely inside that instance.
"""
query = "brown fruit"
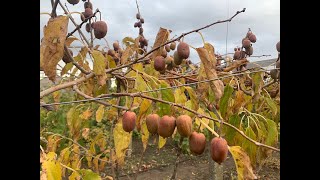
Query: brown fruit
(210, 107)
(100, 29)
(274, 73)
(166, 126)
(159, 63)
(249, 51)
(246, 43)
(197, 143)
(253, 38)
(173, 46)
(88, 27)
(88, 5)
(65, 57)
(164, 53)
(145, 42)
(152, 123)
(73, 2)
(176, 58)
(278, 64)
(129, 121)
(167, 47)
(135, 24)
(236, 55)
(273, 93)
(140, 30)
(278, 46)
(219, 149)
(142, 20)
(242, 54)
(169, 60)
(183, 50)
(184, 125)
(138, 16)
(111, 52)
(87, 12)
(92, 25)
(116, 46)
(235, 49)
(139, 24)
(239, 49)
(248, 34)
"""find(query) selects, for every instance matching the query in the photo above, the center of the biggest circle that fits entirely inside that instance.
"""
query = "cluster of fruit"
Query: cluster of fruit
(166, 125)
(116, 52)
(142, 40)
(165, 61)
(239, 53)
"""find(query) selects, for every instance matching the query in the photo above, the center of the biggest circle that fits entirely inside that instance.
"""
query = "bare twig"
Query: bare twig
(54, 7)
(80, 25)
(76, 89)
(74, 22)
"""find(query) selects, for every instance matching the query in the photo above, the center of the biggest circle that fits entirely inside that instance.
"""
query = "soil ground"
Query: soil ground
(159, 165)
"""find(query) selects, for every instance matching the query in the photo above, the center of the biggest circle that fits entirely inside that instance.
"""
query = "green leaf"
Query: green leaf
(272, 136)
(141, 84)
(242, 161)
(66, 68)
(167, 95)
(228, 90)
(99, 64)
(272, 105)
(87, 174)
(230, 132)
(250, 147)
(193, 98)
(257, 82)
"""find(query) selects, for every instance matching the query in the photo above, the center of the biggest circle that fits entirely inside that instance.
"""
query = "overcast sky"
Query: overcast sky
(263, 17)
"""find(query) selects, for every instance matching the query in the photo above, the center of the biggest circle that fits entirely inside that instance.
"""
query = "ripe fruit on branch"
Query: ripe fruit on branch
(183, 50)
(88, 5)
(275, 73)
(116, 46)
(139, 24)
(138, 16)
(253, 38)
(166, 126)
(129, 121)
(167, 47)
(87, 12)
(73, 2)
(111, 52)
(152, 123)
(88, 27)
(142, 20)
(65, 57)
(278, 46)
(236, 55)
(235, 49)
(248, 34)
(164, 53)
(246, 43)
(177, 59)
(184, 125)
(242, 54)
(219, 149)
(92, 25)
(173, 46)
(140, 30)
(278, 64)
(135, 24)
(197, 143)
(159, 63)
(249, 51)
(100, 29)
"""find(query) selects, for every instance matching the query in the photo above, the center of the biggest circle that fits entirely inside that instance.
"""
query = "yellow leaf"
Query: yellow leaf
(204, 120)
(66, 68)
(126, 54)
(180, 97)
(86, 114)
(96, 163)
(111, 62)
(144, 106)
(100, 113)
(70, 40)
(51, 167)
(85, 133)
(64, 158)
(138, 67)
(121, 141)
(145, 135)
(99, 63)
(103, 163)
(53, 142)
(75, 159)
(210, 70)
(243, 164)
(56, 96)
(75, 176)
(162, 142)
(161, 38)
(210, 50)
(52, 45)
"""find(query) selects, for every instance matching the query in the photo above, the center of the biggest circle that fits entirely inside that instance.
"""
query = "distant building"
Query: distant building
(265, 64)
